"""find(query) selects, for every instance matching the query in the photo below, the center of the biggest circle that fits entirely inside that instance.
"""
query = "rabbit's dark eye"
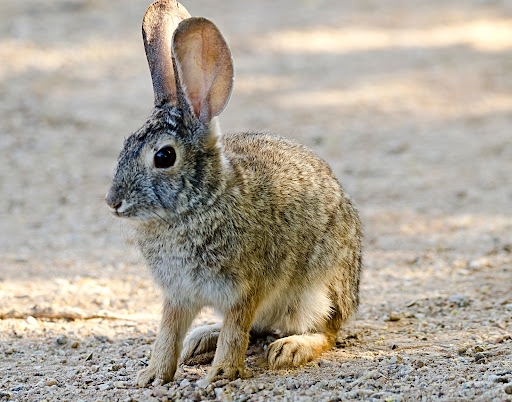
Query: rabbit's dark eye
(165, 158)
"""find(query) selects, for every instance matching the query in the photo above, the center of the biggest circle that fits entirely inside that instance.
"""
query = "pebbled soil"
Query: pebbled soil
(409, 101)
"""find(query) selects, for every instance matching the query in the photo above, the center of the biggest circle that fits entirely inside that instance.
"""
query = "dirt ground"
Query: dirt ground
(410, 102)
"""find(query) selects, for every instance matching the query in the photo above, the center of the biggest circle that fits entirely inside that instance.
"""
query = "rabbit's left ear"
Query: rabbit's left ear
(203, 67)
(158, 25)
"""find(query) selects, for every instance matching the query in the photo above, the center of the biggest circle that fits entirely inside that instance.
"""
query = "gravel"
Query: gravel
(409, 103)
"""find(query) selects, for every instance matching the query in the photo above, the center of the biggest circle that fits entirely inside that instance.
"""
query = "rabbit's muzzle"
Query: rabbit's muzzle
(115, 201)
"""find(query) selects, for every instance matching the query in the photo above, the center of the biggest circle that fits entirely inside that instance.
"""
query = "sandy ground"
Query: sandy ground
(409, 101)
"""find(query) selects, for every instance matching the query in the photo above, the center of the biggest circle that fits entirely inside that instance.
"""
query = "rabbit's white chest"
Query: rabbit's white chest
(187, 276)
(182, 284)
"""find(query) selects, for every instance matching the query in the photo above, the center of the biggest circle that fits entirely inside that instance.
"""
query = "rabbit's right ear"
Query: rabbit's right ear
(158, 26)
(204, 68)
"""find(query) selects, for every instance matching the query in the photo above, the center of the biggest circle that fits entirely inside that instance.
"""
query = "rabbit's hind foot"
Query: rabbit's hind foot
(296, 350)
(200, 340)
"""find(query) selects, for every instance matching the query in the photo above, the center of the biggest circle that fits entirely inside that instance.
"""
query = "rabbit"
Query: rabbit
(252, 224)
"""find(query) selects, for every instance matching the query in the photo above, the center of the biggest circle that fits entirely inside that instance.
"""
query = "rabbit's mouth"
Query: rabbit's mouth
(122, 209)
(129, 211)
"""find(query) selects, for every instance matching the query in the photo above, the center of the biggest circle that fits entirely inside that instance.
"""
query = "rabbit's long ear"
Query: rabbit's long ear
(204, 68)
(158, 25)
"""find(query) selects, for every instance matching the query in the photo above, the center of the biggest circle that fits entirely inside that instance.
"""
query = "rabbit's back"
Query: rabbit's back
(289, 181)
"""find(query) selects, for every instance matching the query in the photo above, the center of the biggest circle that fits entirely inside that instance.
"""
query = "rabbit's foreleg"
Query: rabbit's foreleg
(233, 341)
(169, 341)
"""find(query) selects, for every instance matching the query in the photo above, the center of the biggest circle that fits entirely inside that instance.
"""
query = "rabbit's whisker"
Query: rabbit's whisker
(161, 218)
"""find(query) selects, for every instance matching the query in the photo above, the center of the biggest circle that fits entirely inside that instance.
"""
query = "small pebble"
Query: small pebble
(50, 382)
(194, 396)
(395, 359)
(74, 345)
(116, 367)
(62, 339)
(203, 383)
(184, 383)
(159, 392)
(459, 300)
(501, 324)
(249, 389)
(222, 396)
(508, 389)
(120, 384)
(394, 316)
(101, 338)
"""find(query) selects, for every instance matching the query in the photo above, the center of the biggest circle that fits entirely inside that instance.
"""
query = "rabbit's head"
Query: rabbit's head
(172, 163)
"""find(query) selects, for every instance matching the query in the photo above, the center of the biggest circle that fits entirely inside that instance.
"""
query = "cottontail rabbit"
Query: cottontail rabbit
(252, 224)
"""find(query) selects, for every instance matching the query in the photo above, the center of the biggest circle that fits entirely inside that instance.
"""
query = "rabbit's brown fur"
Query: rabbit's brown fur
(252, 224)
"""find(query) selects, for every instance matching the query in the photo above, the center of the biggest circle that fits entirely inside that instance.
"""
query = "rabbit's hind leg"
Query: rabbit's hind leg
(200, 340)
(296, 350)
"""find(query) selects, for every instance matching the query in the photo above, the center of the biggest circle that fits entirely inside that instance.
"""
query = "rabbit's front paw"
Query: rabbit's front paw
(200, 340)
(225, 372)
(146, 376)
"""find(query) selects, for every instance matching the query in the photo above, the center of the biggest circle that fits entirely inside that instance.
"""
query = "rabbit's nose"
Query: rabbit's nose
(113, 201)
